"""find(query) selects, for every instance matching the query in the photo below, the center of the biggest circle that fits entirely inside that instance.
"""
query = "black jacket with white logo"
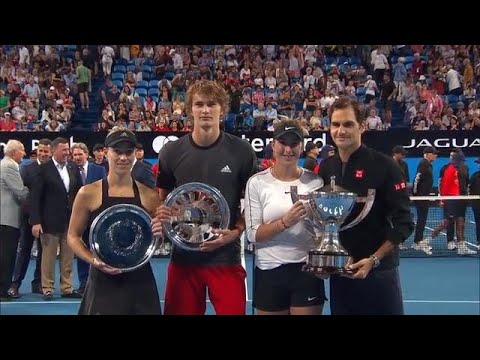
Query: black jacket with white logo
(389, 217)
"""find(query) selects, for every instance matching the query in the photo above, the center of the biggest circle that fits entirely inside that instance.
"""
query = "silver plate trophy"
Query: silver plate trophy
(327, 212)
(197, 209)
(121, 236)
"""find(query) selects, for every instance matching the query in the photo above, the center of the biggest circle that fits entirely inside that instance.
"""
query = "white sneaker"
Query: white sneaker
(423, 246)
(451, 245)
(462, 249)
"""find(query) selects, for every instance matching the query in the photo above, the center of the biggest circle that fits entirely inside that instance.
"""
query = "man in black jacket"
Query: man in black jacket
(373, 243)
(423, 186)
(53, 192)
(398, 154)
(143, 173)
(311, 153)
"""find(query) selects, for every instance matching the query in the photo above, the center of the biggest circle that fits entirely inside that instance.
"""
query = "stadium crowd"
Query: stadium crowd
(143, 87)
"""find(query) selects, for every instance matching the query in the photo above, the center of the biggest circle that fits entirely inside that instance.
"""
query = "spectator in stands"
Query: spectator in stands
(216, 266)
(279, 232)
(83, 79)
(7, 123)
(109, 291)
(108, 54)
(423, 186)
(375, 259)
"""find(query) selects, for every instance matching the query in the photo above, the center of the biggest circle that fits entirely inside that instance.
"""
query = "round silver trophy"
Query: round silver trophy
(327, 212)
(121, 236)
(197, 209)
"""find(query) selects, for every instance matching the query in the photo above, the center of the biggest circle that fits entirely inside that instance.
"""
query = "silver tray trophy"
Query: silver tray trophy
(121, 236)
(327, 212)
(197, 209)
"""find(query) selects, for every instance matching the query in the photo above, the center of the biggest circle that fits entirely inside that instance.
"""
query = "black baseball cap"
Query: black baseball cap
(121, 139)
(97, 147)
(289, 132)
(399, 149)
(311, 145)
(430, 150)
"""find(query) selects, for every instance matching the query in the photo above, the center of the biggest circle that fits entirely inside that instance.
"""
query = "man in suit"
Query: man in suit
(89, 173)
(29, 172)
(142, 170)
(12, 194)
(53, 193)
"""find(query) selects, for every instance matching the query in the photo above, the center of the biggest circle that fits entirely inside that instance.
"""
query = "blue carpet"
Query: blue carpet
(431, 286)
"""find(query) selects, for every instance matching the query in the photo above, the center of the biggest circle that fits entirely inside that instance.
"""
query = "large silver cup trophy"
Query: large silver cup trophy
(197, 209)
(326, 212)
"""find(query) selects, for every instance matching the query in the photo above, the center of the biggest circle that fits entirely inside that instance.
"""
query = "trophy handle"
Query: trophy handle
(294, 194)
(368, 200)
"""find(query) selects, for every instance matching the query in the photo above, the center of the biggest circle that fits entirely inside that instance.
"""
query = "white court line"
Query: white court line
(441, 232)
(162, 301)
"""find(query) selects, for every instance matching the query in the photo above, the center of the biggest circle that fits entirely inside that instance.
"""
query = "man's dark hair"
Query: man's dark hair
(45, 141)
(345, 102)
(57, 141)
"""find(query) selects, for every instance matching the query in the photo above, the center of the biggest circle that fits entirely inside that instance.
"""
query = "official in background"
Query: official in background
(12, 194)
(53, 192)
(423, 186)
(312, 151)
(142, 170)
(99, 156)
(454, 182)
(474, 189)
(399, 153)
(89, 173)
(29, 172)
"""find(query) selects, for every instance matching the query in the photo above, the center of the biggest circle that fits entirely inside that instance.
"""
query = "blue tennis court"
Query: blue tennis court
(431, 286)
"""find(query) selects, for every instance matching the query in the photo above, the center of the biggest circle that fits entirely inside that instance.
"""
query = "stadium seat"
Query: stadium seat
(120, 68)
(142, 84)
(153, 84)
(141, 92)
(118, 76)
(153, 92)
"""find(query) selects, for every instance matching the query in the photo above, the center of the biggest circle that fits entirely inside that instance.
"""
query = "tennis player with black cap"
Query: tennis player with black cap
(108, 290)
(423, 186)
(312, 150)
(281, 236)
(399, 153)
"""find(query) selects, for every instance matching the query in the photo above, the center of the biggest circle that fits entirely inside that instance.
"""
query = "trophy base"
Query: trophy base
(326, 270)
(325, 263)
